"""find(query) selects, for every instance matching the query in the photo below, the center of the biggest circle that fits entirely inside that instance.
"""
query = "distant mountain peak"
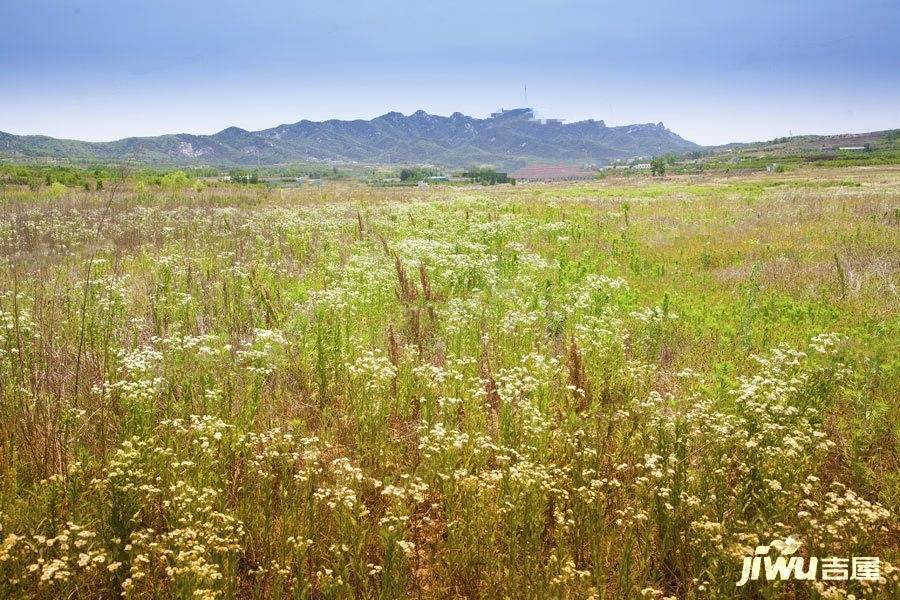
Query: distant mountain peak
(232, 130)
(508, 138)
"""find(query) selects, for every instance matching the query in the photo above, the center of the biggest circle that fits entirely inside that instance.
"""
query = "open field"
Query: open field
(611, 389)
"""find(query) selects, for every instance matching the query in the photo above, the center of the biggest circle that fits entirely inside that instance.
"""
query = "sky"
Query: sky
(712, 71)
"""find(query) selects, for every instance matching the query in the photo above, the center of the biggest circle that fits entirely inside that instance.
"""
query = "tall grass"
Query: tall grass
(592, 391)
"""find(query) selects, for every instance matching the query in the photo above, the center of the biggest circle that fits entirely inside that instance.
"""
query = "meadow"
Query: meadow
(614, 389)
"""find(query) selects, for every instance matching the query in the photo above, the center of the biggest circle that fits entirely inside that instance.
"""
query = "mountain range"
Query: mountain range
(508, 138)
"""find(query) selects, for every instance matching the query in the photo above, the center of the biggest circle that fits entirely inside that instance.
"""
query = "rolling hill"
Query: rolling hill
(508, 139)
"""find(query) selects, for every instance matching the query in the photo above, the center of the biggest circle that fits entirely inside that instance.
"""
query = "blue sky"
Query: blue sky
(714, 72)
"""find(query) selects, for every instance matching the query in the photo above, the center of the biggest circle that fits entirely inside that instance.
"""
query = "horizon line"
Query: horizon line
(390, 112)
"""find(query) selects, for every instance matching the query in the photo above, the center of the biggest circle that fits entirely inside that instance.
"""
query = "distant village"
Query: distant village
(774, 156)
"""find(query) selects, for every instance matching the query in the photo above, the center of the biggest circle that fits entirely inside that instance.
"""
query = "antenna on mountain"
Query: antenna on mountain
(525, 88)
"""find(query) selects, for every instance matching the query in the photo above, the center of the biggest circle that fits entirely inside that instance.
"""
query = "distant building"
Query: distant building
(521, 112)
(529, 114)
(641, 166)
(855, 148)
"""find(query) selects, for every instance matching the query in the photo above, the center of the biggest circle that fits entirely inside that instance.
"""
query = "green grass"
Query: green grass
(606, 390)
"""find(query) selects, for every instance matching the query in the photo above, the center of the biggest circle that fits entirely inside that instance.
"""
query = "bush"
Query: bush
(175, 179)
(57, 190)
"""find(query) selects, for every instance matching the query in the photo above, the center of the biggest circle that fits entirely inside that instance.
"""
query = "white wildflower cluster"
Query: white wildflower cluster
(141, 377)
(530, 261)
(554, 228)
(16, 323)
(199, 545)
(374, 369)
(113, 291)
(333, 299)
(276, 452)
(461, 314)
(176, 342)
(595, 291)
(344, 492)
(207, 431)
(72, 554)
(826, 343)
(652, 315)
(437, 441)
(17, 318)
(515, 321)
(453, 264)
(601, 335)
(262, 353)
(516, 387)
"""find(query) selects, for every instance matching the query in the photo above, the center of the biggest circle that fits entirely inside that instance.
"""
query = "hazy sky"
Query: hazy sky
(714, 72)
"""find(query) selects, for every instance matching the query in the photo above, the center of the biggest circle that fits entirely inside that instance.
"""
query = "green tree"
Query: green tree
(414, 174)
(658, 166)
(485, 176)
(241, 176)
